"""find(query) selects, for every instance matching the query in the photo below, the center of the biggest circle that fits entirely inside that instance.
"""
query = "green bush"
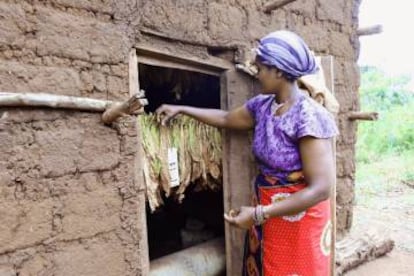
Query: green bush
(393, 133)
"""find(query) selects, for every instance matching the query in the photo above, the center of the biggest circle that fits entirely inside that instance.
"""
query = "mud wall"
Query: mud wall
(328, 26)
(68, 199)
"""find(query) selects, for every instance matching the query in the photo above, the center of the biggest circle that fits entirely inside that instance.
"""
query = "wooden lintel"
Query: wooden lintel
(371, 30)
(365, 116)
(153, 55)
(275, 4)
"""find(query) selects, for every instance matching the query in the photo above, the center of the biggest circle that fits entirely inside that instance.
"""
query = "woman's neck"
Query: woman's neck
(288, 92)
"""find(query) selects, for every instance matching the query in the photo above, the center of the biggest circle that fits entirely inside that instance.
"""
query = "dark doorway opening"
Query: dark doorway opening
(199, 217)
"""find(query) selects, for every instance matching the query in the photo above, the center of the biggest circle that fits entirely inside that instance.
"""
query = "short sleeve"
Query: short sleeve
(315, 121)
(254, 104)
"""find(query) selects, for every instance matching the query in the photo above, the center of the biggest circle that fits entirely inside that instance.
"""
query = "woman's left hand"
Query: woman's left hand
(242, 218)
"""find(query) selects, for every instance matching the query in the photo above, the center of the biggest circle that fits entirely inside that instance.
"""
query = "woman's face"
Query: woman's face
(268, 77)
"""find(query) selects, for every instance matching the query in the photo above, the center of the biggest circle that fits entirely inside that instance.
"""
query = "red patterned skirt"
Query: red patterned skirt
(289, 245)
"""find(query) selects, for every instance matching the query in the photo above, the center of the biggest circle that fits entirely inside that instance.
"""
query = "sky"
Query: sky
(393, 49)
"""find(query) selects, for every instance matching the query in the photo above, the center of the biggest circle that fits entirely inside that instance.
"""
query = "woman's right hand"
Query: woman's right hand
(166, 112)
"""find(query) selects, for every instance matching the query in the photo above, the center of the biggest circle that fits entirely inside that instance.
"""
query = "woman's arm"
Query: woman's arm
(239, 118)
(319, 171)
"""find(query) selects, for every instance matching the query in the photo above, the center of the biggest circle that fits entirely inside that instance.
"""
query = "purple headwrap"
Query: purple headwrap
(288, 52)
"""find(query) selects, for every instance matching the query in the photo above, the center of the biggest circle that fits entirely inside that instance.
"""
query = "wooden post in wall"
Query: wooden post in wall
(238, 172)
(327, 65)
(138, 168)
(275, 4)
(370, 30)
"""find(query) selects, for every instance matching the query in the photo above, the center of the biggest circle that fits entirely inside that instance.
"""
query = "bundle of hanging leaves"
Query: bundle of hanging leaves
(199, 151)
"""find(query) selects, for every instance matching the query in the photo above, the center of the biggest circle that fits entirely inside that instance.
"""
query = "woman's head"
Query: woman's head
(282, 56)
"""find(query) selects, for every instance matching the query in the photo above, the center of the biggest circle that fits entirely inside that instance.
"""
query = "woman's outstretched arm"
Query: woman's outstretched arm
(238, 118)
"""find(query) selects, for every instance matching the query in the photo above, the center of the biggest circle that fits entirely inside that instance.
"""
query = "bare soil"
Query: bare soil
(392, 212)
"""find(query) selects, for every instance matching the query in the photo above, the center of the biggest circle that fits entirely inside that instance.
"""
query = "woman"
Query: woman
(289, 221)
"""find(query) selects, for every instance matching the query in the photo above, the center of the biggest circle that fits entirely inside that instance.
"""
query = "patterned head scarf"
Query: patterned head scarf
(287, 52)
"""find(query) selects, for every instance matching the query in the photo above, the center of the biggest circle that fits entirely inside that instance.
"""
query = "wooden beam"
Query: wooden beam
(237, 88)
(139, 179)
(112, 110)
(365, 116)
(275, 4)
(328, 71)
(371, 30)
(53, 101)
(353, 251)
(133, 74)
(159, 57)
(207, 258)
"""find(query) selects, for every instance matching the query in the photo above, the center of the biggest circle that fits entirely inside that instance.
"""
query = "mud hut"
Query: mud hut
(72, 190)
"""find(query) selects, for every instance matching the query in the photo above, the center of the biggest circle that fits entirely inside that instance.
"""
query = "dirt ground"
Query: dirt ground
(398, 262)
(392, 212)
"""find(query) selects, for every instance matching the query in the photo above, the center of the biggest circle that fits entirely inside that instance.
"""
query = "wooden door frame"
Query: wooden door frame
(328, 69)
(213, 66)
(238, 166)
(235, 89)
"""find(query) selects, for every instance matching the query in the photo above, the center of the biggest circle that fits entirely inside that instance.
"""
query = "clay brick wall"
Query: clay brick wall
(68, 199)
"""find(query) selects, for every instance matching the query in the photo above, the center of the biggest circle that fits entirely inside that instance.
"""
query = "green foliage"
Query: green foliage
(381, 91)
(393, 133)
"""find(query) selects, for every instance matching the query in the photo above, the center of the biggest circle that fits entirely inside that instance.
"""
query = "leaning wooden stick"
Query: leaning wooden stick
(371, 30)
(366, 116)
(134, 105)
(275, 4)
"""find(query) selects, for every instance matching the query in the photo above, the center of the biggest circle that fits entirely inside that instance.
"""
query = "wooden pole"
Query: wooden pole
(133, 75)
(139, 169)
(53, 101)
(366, 116)
(275, 4)
(112, 110)
(371, 30)
(328, 70)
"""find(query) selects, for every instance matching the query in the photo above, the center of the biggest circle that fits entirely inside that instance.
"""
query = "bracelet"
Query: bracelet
(258, 215)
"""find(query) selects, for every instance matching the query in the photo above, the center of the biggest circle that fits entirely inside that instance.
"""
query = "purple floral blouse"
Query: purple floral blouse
(276, 137)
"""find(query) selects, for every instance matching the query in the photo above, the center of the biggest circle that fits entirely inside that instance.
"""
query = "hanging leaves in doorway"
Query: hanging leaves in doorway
(199, 149)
